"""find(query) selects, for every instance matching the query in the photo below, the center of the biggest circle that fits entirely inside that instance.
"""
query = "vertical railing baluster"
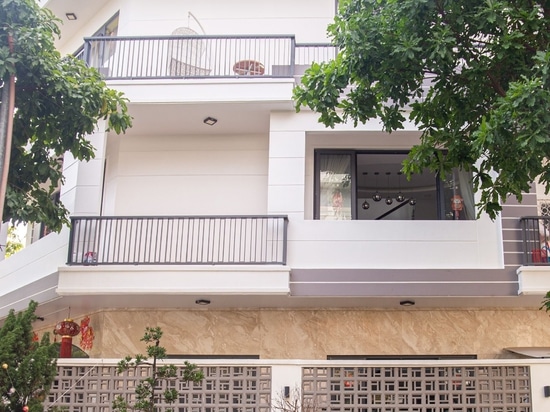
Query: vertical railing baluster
(200, 257)
(192, 243)
(208, 231)
(244, 240)
(254, 241)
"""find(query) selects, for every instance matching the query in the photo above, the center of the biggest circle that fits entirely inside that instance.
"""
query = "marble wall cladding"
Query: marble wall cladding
(314, 334)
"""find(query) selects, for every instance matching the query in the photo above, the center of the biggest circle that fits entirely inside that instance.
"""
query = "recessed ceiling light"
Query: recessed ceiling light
(407, 303)
(70, 16)
(202, 302)
(210, 121)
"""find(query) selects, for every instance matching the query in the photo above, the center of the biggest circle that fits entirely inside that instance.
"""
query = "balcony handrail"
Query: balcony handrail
(535, 232)
(178, 240)
(202, 56)
(192, 36)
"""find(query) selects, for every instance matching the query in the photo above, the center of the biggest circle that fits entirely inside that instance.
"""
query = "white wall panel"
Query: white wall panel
(87, 200)
(26, 270)
(286, 200)
(170, 163)
(287, 143)
(308, 19)
(286, 171)
(82, 191)
(390, 244)
(182, 280)
(199, 195)
(189, 175)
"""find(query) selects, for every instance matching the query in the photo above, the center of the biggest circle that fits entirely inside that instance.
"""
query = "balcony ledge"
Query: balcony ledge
(533, 280)
(173, 279)
(209, 90)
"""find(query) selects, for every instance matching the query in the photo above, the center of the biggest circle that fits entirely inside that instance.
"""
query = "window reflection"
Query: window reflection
(370, 186)
(335, 187)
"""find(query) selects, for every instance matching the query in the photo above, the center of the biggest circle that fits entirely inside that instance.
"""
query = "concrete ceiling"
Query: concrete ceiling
(84, 10)
(188, 119)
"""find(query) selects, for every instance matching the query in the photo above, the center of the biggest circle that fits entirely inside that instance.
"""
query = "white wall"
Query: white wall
(177, 175)
(307, 19)
(82, 190)
(373, 244)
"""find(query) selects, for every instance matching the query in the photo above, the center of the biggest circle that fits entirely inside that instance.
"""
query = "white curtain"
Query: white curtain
(466, 191)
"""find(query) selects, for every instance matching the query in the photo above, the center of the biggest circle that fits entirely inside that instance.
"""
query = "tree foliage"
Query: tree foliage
(146, 396)
(58, 102)
(471, 74)
(13, 243)
(546, 303)
(27, 367)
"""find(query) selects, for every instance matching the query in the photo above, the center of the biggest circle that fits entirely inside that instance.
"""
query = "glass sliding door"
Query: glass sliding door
(369, 185)
(334, 186)
(458, 196)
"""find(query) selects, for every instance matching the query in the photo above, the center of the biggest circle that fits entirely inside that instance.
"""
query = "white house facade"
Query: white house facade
(266, 244)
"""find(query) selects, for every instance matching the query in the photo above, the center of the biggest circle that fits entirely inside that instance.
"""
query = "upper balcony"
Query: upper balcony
(201, 56)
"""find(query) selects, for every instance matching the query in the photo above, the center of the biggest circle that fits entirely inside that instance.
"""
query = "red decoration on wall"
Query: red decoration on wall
(35, 337)
(67, 329)
(87, 334)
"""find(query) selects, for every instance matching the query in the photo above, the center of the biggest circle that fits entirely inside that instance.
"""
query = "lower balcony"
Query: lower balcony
(178, 240)
(175, 259)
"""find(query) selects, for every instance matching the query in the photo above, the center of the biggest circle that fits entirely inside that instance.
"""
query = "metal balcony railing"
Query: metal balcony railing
(201, 56)
(536, 240)
(178, 240)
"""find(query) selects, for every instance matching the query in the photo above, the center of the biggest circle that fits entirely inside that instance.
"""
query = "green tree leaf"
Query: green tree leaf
(59, 102)
(146, 397)
(471, 75)
(28, 368)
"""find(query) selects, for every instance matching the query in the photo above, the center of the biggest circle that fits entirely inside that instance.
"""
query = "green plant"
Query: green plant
(58, 102)
(146, 395)
(473, 77)
(546, 302)
(13, 244)
(27, 367)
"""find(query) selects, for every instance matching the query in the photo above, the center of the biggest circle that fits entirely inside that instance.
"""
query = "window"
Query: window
(102, 51)
(369, 185)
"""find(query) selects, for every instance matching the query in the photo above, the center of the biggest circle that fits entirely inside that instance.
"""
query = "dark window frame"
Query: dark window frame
(354, 153)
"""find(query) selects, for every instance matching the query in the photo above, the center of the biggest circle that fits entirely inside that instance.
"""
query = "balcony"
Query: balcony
(534, 274)
(536, 240)
(178, 240)
(173, 57)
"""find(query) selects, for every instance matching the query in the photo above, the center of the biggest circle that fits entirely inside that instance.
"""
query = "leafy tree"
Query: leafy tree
(13, 244)
(28, 367)
(58, 102)
(472, 75)
(146, 396)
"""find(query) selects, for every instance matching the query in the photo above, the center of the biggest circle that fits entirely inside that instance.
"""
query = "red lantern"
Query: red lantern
(67, 329)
